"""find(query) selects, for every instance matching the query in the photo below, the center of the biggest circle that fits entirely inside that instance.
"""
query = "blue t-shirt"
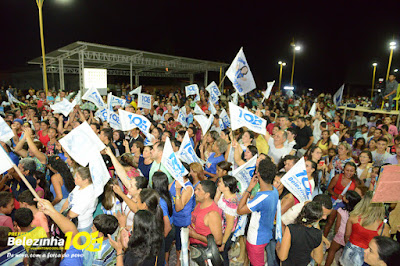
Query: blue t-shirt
(144, 168)
(184, 216)
(211, 164)
(164, 207)
(72, 257)
(263, 208)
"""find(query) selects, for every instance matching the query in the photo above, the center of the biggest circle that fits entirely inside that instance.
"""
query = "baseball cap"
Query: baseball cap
(19, 121)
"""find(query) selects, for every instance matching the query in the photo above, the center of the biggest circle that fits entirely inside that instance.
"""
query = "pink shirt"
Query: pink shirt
(392, 130)
(6, 221)
(39, 219)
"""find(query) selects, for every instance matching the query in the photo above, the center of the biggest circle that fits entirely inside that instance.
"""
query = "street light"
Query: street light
(396, 70)
(281, 64)
(295, 48)
(373, 79)
(392, 46)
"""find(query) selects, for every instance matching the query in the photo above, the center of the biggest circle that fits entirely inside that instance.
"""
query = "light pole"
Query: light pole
(373, 79)
(392, 47)
(295, 48)
(281, 65)
(39, 4)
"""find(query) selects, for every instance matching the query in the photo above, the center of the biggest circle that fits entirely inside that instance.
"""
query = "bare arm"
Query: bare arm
(57, 188)
(238, 153)
(38, 154)
(349, 226)
(318, 254)
(19, 148)
(182, 199)
(282, 249)
(121, 172)
(230, 220)
(331, 186)
(242, 207)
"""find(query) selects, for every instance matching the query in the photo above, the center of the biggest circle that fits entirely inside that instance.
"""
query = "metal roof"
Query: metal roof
(120, 61)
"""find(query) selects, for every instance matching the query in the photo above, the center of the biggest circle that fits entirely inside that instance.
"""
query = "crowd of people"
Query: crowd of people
(143, 209)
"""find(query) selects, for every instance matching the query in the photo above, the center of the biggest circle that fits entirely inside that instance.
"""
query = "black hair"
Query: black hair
(106, 224)
(353, 198)
(388, 250)
(108, 133)
(146, 238)
(231, 183)
(160, 184)
(291, 130)
(62, 168)
(96, 125)
(194, 129)
(177, 143)
(160, 146)
(4, 232)
(181, 133)
(141, 182)
(43, 183)
(253, 149)
(152, 200)
(382, 139)
(224, 165)
(385, 127)
(140, 145)
(324, 200)
(44, 254)
(168, 133)
(209, 187)
(267, 170)
(310, 213)
(27, 197)
(5, 198)
(23, 217)
(281, 163)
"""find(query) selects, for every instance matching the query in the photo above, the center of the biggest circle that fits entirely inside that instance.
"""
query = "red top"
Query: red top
(338, 189)
(361, 236)
(43, 139)
(198, 221)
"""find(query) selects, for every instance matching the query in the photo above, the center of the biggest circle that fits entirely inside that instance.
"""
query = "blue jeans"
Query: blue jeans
(352, 255)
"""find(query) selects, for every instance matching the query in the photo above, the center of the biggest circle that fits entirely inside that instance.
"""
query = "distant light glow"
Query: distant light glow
(297, 48)
(288, 88)
(64, 2)
(280, 62)
(374, 64)
(310, 89)
(284, 64)
(396, 70)
(392, 43)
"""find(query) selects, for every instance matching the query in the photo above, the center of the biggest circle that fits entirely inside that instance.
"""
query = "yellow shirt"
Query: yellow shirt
(35, 233)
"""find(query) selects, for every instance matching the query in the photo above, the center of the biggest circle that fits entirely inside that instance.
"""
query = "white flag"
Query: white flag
(6, 132)
(78, 99)
(64, 107)
(268, 90)
(197, 110)
(114, 121)
(186, 151)
(296, 181)
(144, 101)
(93, 95)
(278, 229)
(12, 99)
(214, 92)
(82, 143)
(221, 124)
(235, 98)
(102, 113)
(192, 89)
(245, 172)
(182, 116)
(5, 161)
(313, 109)
(211, 108)
(223, 116)
(205, 123)
(172, 164)
(99, 173)
(242, 118)
(114, 101)
(138, 90)
(130, 121)
(149, 140)
(337, 98)
(240, 75)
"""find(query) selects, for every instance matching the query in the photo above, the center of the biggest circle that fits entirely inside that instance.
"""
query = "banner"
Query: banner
(64, 107)
(130, 121)
(6, 132)
(138, 90)
(186, 151)
(242, 118)
(149, 140)
(102, 113)
(221, 124)
(144, 101)
(235, 98)
(337, 98)
(114, 121)
(182, 116)
(114, 101)
(12, 99)
(278, 229)
(223, 116)
(5, 161)
(197, 110)
(95, 78)
(245, 172)
(214, 92)
(205, 123)
(99, 173)
(172, 164)
(82, 144)
(93, 95)
(267, 93)
(296, 181)
(211, 108)
(192, 89)
(240, 75)
(313, 109)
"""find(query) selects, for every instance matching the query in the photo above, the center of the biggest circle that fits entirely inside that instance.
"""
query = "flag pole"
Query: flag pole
(26, 182)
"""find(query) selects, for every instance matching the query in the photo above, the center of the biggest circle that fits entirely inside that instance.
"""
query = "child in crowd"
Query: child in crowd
(26, 200)
(23, 224)
(6, 207)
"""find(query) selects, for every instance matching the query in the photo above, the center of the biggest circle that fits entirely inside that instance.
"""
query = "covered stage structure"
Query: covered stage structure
(73, 58)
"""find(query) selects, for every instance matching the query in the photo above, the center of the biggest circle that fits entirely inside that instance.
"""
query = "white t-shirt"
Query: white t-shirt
(317, 130)
(83, 202)
(275, 153)
(335, 139)
(128, 212)
(361, 120)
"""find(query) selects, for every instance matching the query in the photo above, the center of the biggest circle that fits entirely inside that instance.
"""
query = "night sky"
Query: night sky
(340, 40)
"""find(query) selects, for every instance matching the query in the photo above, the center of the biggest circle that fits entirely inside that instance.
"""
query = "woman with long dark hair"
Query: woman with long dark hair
(160, 184)
(118, 139)
(42, 186)
(62, 182)
(382, 251)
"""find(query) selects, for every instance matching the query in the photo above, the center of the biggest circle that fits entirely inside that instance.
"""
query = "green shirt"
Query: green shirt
(158, 167)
